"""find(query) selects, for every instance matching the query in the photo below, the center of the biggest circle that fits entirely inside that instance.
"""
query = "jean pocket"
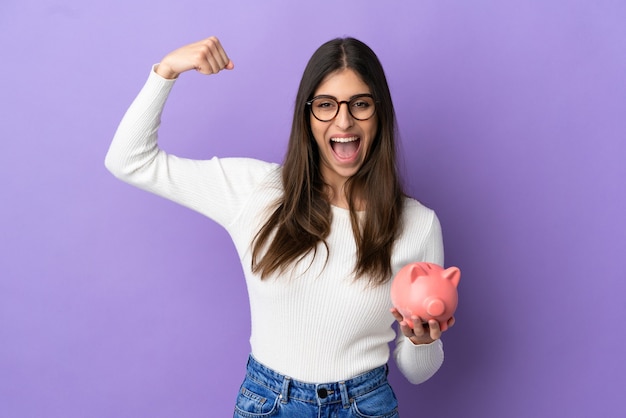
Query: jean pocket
(255, 401)
(379, 403)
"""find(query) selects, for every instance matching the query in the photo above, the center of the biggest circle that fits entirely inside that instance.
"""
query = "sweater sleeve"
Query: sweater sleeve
(217, 188)
(419, 363)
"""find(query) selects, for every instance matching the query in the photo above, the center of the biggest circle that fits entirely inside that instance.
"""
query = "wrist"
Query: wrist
(165, 71)
(421, 341)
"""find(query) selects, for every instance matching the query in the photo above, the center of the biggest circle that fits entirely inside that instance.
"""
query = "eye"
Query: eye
(325, 104)
(361, 104)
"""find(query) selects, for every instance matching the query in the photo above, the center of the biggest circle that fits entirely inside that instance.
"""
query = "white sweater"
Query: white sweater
(316, 324)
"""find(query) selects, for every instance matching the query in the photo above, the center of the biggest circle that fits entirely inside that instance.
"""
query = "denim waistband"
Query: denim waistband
(316, 393)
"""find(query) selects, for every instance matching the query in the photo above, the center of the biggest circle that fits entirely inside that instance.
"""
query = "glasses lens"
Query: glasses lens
(324, 108)
(362, 107)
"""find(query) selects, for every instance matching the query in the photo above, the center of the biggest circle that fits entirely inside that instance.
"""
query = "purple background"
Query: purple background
(115, 303)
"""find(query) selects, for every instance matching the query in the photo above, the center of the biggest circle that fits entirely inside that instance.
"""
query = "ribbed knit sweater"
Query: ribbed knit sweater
(316, 324)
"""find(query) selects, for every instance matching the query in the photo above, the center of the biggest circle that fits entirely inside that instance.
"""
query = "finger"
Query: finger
(209, 65)
(418, 329)
(228, 64)
(451, 322)
(435, 329)
(207, 59)
(216, 56)
(396, 314)
(406, 330)
(216, 62)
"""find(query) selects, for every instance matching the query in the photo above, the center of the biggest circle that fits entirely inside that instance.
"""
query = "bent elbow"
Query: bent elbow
(118, 166)
(113, 166)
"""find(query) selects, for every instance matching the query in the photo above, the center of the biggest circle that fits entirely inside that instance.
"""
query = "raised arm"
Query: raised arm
(214, 187)
(134, 147)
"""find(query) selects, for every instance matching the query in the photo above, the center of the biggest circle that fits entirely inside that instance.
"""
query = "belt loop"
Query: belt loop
(284, 391)
(345, 398)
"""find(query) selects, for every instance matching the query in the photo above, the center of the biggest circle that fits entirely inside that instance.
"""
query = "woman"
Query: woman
(319, 237)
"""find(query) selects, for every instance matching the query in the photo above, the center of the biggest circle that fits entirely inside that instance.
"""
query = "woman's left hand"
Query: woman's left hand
(425, 332)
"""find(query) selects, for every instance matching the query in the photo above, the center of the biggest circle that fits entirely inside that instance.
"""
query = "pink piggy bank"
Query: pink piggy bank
(426, 290)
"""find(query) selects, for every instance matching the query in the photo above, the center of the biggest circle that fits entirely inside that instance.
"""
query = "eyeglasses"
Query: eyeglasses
(326, 108)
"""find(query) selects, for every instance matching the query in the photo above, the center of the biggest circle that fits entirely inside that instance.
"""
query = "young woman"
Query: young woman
(319, 237)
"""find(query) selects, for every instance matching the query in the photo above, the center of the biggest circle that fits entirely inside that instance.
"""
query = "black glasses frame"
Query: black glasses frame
(339, 103)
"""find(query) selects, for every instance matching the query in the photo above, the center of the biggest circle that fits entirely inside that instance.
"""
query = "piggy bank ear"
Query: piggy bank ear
(416, 271)
(453, 274)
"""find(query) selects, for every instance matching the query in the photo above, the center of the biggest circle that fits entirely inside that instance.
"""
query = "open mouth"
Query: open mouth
(345, 148)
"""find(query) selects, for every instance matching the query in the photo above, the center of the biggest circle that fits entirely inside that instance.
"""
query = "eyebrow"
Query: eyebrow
(328, 96)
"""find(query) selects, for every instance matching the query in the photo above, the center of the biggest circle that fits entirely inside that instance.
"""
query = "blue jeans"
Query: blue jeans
(266, 393)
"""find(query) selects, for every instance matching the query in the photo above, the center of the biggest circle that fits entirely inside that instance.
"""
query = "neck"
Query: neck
(337, 197)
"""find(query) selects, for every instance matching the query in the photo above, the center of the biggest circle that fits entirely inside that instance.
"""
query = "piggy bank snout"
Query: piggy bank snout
(435, 306)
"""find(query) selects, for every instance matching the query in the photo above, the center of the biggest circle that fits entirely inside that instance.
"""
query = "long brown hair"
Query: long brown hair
(303, 216)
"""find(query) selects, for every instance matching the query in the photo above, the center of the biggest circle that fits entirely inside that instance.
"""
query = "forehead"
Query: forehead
(342, 83)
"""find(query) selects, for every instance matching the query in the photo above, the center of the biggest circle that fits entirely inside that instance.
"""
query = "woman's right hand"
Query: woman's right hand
(206, 57)
(422, 332)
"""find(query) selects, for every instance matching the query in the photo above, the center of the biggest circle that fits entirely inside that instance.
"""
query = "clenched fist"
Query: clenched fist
(206, 56)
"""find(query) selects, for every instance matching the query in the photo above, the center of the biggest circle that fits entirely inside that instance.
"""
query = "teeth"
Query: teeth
(350, 139)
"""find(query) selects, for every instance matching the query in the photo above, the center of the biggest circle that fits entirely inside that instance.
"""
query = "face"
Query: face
(344, 141)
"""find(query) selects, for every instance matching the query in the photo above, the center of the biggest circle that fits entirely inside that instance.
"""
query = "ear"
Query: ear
(416, 271)
(453, 274)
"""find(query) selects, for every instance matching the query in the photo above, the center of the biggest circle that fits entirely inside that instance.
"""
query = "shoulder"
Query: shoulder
(414, 209)
(418, 218)
(420, 237)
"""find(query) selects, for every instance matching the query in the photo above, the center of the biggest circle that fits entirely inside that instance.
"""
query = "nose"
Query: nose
(344, 119)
